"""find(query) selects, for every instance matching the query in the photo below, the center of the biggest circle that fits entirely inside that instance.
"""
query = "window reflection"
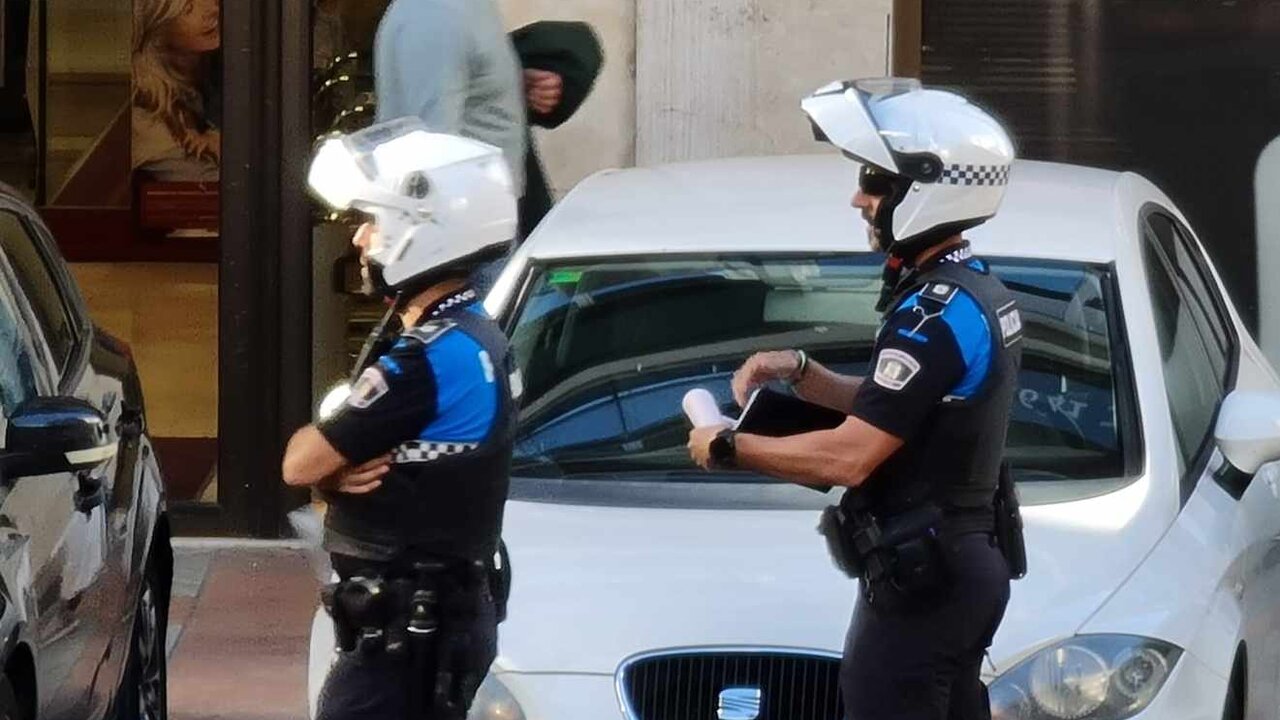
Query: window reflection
(608, 349)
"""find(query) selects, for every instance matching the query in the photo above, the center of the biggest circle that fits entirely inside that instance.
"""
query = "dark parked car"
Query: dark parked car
(85, 558)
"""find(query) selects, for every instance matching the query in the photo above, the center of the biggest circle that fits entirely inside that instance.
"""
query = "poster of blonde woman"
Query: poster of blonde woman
(176, 90)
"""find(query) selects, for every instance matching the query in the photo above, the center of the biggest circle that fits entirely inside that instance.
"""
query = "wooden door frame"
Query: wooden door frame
(908, 22)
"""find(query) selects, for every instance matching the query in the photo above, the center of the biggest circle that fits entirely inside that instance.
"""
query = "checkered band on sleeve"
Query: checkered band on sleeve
(975, 175)
(422, 451)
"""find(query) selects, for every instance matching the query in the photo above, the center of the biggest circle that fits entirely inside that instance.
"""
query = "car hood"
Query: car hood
(593, 585)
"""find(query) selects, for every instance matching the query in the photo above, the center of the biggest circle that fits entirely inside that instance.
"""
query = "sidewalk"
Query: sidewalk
(238, 630)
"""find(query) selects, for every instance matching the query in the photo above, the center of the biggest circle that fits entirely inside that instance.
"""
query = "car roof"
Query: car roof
(801, 203)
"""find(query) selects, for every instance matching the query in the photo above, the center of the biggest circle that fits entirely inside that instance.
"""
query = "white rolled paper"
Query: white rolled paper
(701, 408)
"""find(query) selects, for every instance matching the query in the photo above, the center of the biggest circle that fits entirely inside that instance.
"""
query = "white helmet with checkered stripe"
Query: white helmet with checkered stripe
(439, 200)
(947, 161)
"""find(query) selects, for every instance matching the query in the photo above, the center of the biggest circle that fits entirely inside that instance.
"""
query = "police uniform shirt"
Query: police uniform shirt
(934, 346)
(433, 394)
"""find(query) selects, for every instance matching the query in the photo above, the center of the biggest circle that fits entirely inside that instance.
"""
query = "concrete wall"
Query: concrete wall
(717, 78)
(692, 79)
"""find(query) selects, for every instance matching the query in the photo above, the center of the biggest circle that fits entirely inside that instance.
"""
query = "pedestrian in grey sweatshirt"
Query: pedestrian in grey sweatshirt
(451, 63)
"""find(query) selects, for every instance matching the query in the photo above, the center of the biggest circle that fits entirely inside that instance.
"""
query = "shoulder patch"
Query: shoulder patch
(429, 332)
(940, 292)
(894, 369)
(1010, 324)
(370, 386)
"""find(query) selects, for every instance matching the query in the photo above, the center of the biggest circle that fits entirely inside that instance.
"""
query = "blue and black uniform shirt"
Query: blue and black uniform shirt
(929, 350)
(434, 393)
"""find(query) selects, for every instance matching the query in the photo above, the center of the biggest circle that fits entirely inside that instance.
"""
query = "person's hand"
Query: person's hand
(760, 369)
(360, 480)
(543, 90)
(700, 444)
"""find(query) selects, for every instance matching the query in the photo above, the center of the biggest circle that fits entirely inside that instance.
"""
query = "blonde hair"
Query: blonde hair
(159, 88)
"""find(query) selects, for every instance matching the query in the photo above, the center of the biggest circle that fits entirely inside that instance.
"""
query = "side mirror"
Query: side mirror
(60, 434)
(1248, 429)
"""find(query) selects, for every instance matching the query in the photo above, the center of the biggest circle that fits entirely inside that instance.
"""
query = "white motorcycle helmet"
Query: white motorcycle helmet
(438, 200)
(944, 163)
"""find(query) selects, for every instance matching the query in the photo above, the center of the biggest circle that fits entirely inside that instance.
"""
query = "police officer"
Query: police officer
(920, 452)
(415, 462)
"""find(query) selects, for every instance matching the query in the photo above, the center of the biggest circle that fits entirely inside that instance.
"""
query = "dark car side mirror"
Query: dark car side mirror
(59, 434)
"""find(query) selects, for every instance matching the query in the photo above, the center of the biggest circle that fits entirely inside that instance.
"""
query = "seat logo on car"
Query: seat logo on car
(739, 703)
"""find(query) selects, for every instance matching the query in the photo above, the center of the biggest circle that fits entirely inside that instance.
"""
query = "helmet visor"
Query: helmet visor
(844, 114)
(345, 167)
(364, 145)
(875, 90)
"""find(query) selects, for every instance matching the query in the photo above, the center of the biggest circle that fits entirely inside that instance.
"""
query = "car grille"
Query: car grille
(688, 685)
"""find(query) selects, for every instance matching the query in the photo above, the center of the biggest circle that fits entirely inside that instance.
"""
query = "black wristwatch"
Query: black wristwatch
(723, 449)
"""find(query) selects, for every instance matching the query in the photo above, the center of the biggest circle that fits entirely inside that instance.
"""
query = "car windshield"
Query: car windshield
(608, 348)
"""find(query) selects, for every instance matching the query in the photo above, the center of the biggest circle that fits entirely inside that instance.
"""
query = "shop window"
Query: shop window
(126, 106)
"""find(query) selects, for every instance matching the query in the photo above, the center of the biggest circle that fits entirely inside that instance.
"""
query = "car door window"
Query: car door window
(17, 370)
(39, 287)
(1200, 293)
(1193, 358)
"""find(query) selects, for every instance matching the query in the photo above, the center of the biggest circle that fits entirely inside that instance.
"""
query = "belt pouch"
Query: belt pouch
(1009, 534)
(835, 529)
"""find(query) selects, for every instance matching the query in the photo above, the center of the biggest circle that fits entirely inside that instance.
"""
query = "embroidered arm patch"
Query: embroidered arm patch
(895, 368)
(1010, 324)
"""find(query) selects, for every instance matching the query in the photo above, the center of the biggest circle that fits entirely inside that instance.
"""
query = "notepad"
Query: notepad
(773, 414)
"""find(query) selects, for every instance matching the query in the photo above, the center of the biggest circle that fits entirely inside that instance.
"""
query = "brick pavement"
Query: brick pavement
(239, 624)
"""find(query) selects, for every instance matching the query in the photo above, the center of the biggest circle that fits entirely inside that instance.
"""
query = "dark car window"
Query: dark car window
(17, 374)
(1203, 305)
(607, 350)
(39, 287)
(1193, 357)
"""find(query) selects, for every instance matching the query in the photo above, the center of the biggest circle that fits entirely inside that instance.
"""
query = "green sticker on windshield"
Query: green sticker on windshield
(564, 277)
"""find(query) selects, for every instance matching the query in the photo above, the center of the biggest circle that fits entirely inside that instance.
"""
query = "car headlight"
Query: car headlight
(494, 702)
(1098, 677)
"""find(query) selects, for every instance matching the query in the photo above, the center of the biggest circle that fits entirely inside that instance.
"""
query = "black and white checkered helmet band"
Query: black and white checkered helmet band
(975, 175)
(421, 451)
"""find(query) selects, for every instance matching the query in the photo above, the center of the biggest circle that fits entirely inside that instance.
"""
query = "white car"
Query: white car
(646, 590)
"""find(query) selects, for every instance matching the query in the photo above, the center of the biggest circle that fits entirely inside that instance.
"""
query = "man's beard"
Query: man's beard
(873, 238)
(373, 283)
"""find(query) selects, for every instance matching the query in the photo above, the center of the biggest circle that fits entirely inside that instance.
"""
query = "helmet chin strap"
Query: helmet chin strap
(889, 280)
(382, 336)
(902, 254)
(896, 260)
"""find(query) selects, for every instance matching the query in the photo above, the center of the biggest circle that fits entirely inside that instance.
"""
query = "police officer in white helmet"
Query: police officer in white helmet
(415, 461)
(928, 521)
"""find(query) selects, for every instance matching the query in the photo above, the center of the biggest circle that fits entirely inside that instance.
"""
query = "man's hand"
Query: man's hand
(760, 369)
(700, 444)
(360, 480)
(543, 90)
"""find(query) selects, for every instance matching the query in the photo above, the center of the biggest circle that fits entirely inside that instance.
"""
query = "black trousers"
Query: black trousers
(924, 664)
(379, 686)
